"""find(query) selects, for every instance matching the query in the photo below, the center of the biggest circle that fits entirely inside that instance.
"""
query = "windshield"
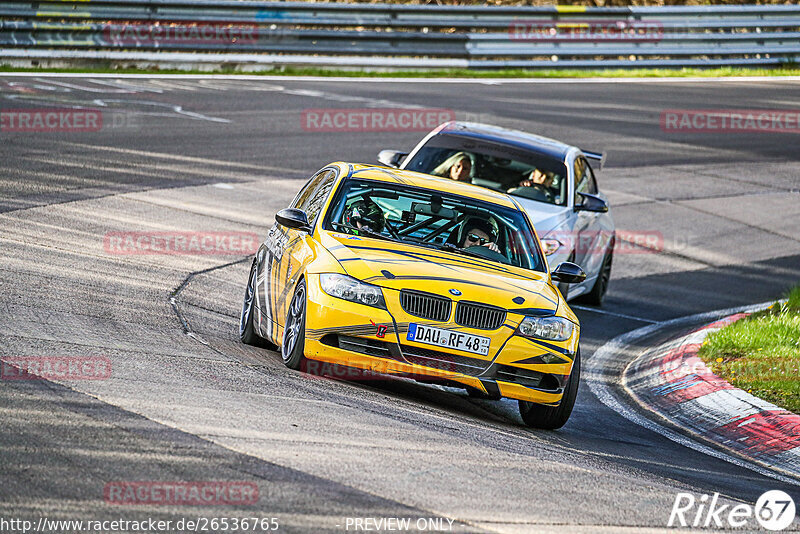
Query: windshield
(427, 218)
(496, 166)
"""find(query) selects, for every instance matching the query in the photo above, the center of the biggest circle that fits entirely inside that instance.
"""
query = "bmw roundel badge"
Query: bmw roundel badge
(455, 292)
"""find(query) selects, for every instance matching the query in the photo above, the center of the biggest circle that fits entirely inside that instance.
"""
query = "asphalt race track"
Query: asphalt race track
(224, 156)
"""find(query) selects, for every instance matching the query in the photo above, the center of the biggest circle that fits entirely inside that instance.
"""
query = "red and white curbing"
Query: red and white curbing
(673, 382)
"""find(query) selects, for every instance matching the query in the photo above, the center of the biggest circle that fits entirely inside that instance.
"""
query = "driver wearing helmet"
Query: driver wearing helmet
(365, 215)
(478, 233)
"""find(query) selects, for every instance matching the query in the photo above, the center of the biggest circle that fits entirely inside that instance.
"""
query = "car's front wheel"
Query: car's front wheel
(294, 333)
(598, 292)
(553, 417)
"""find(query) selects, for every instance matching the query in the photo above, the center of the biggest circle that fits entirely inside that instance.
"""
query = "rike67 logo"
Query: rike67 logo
(774, 510)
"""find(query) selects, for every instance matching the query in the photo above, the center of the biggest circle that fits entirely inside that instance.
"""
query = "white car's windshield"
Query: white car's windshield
(495, 166)
(432, 219)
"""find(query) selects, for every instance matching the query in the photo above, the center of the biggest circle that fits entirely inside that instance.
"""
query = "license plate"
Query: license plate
(440, 337)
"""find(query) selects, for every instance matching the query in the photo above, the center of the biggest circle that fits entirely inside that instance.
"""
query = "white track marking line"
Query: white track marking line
(176, 109)
(118, 84)
(106, 89)
(604, 393)
(615, 314)
(165, 171)
(486, 81)
(172, 86)
(191, 159)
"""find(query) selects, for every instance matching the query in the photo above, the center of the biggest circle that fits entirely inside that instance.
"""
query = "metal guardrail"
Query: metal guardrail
(397, 36)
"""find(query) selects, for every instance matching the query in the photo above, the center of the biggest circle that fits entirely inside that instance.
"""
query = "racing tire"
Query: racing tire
(553, 417)
(247, 331)
(294, 333)
(600, 287)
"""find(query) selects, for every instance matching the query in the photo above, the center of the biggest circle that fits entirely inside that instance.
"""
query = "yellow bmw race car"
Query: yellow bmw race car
(400, 273)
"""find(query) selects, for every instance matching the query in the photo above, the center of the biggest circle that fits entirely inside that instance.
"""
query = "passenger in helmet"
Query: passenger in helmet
(365, 214)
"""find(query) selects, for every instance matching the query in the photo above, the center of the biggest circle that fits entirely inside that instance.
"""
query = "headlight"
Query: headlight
(550, 328)
(551, 246)
(348, 288)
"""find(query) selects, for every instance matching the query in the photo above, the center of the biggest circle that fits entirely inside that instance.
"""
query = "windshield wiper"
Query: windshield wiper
(449, 247)
(366, 232)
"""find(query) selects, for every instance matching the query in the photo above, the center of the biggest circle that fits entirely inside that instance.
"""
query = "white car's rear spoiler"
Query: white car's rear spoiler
(597, 156)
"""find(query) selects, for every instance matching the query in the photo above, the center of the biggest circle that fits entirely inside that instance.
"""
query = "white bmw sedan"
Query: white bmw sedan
(552, 181)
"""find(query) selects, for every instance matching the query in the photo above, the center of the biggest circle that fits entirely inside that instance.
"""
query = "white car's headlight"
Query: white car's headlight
(348, 288)
(550, 328)
(551, 246)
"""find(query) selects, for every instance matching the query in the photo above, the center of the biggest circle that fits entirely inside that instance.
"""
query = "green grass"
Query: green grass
(448, 73)
(761, 354)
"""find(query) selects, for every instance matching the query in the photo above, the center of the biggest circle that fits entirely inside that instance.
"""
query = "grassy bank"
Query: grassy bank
(450, 73)
(761, 354)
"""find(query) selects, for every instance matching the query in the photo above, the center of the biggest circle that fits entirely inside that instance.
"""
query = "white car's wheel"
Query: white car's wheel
(600, 288)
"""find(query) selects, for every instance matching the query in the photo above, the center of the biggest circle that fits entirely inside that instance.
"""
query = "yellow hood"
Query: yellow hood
(398, 266)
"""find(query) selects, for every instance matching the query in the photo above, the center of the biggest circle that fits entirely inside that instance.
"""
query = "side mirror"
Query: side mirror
(391, 158)
(293, 218)
(568, 273)
(592, 203)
